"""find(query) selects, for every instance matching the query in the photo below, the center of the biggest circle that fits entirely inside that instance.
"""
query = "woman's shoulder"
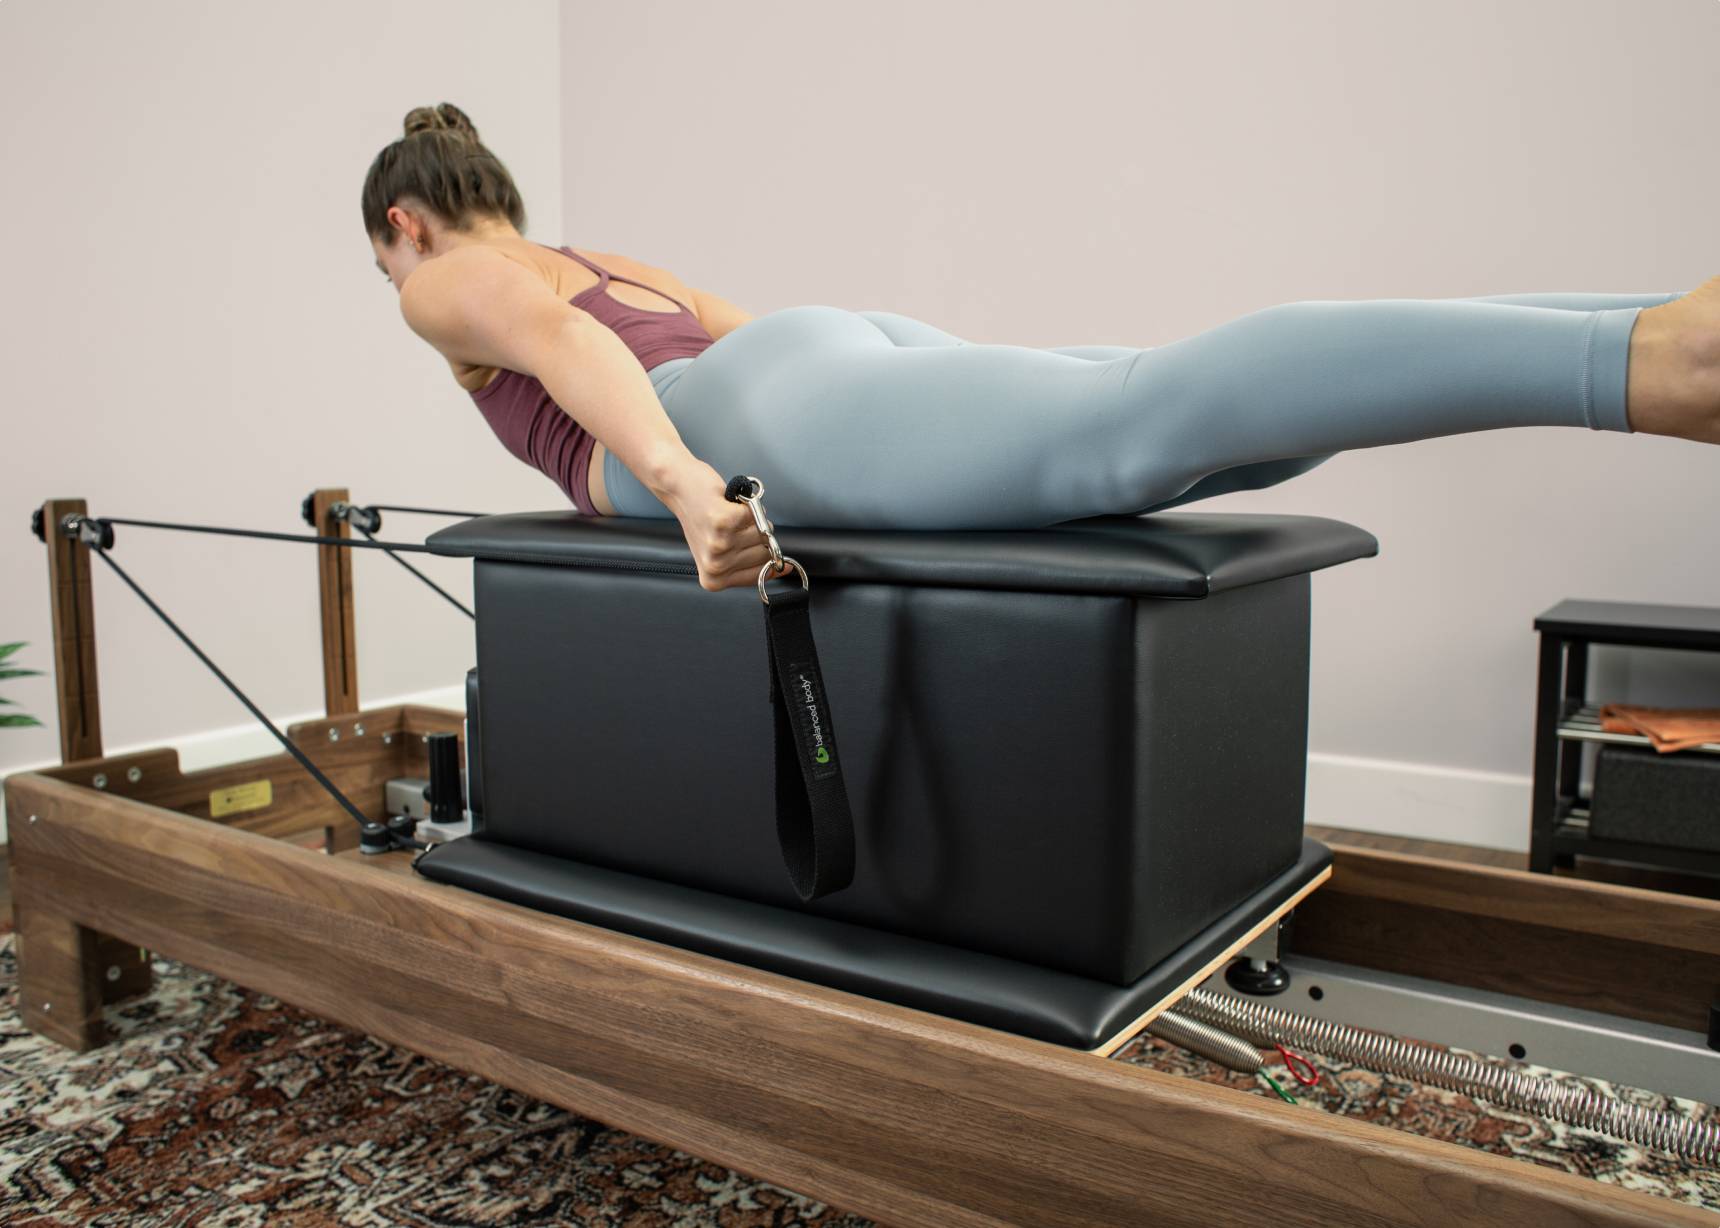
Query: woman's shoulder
(463, 266)
(653, 275)
(567, 278)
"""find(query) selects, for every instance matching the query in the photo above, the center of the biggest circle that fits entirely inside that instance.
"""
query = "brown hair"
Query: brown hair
(440, 162)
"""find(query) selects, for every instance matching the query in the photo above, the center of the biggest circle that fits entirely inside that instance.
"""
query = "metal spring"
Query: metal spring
(1197, 1037)
(1573, 1104)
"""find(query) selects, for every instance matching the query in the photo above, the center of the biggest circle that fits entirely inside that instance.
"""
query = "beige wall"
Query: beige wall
(192, 328)
(1131, 173)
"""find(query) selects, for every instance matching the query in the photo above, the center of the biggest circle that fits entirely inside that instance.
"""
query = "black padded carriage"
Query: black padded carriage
(1075, 756)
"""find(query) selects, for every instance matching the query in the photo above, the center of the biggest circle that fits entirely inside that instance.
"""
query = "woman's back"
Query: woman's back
(661, 293)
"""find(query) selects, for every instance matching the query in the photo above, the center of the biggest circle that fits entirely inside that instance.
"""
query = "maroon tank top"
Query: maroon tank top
(534, 428)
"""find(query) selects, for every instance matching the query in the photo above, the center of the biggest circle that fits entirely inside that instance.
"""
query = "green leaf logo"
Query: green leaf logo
(823, 756)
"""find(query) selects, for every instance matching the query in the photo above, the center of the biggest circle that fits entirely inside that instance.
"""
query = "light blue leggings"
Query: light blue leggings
(869, 419)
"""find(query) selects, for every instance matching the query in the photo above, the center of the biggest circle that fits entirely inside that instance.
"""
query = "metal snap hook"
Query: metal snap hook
(779, 562)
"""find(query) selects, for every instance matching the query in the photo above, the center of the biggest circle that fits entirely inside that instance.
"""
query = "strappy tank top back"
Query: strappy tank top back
(534, 428)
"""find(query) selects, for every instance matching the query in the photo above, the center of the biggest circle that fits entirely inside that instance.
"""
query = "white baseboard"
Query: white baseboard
(1376, 795)
(214, 747)
(1420, 801)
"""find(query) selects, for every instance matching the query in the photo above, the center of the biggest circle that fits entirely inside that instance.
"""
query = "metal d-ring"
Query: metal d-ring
(786, 564)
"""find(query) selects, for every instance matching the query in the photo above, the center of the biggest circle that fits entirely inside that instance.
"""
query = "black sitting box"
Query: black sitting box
(1075, 747)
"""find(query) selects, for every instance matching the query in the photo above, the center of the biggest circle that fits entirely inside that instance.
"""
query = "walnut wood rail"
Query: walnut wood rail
(893, 1113)
(359, 752)
(1628, 951)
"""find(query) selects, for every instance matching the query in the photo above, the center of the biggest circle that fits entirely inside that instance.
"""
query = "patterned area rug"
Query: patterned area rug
(1436, 1113)
(220, 1107)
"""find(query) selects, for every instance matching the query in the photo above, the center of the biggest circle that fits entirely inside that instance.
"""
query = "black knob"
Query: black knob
(1244, 977)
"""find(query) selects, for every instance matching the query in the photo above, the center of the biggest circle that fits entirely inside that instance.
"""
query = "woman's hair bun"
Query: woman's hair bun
(439, 163)
(444, 116)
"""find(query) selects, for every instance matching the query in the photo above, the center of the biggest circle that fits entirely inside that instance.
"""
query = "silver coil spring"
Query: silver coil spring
(1573, 1104)
(1208, 1041)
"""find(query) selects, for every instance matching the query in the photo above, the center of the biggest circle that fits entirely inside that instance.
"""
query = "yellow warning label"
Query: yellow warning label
(240, 798)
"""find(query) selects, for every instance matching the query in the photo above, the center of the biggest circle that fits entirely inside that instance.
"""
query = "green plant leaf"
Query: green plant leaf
(15, 720)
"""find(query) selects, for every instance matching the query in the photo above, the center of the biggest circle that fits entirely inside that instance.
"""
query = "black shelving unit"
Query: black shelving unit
(1565, 720)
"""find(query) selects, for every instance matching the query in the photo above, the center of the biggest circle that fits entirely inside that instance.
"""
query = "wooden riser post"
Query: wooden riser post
(339, 640)
(69, 591)
(121, 970)
(334, 594)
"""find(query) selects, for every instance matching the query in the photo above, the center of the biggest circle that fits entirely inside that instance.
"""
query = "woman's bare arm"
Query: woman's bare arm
(478, 306)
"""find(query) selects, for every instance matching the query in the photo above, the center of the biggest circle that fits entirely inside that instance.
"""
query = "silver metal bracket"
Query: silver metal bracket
(86, 529)
(1650, 1056)
(364, 519)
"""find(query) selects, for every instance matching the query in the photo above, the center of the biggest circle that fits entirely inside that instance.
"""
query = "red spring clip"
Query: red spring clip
(1290, 1062)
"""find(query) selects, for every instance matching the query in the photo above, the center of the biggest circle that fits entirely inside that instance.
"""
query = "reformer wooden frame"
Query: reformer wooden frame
(904, 1116)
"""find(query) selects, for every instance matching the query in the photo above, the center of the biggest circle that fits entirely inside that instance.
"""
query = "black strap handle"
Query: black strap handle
(814, 826)
(813, 822)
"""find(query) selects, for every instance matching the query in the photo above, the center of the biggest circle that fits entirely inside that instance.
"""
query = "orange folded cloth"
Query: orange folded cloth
(1668, 729)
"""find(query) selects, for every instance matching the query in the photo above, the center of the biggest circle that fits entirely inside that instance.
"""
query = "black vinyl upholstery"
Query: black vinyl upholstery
(1071, 747)
(1169, 554)
(1015, 997)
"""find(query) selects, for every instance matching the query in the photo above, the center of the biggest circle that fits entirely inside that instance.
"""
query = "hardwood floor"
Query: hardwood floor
(1594, 871)
(1471, 853)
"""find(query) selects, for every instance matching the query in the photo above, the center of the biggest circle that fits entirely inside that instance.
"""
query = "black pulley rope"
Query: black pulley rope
(370, 826)
(261, 535)
(425, 511)
(815, 828)
(446, 595)
(367, 520)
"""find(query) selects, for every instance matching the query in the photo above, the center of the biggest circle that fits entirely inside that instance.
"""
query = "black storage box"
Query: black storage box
(1652, 798)
(1074, 746)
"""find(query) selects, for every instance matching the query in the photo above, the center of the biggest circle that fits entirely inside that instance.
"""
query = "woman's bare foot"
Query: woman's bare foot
(1673, 385)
